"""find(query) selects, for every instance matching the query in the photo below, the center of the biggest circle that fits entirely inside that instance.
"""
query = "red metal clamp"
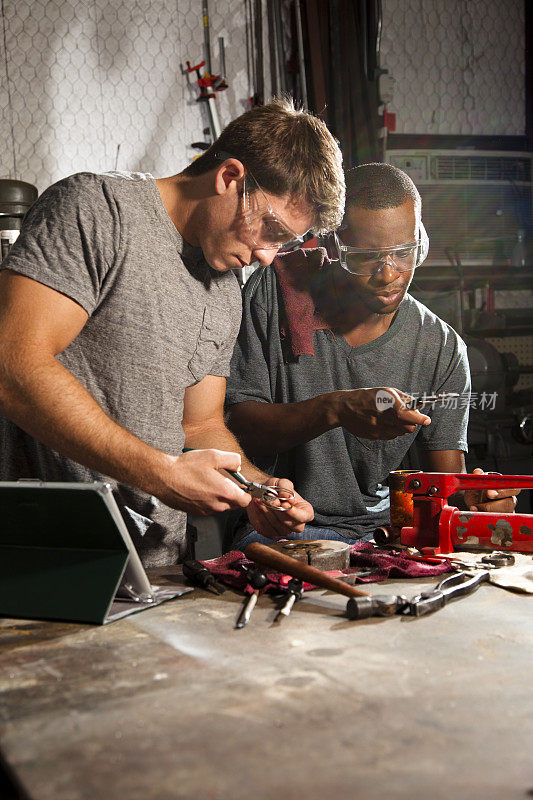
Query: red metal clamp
(422, 518)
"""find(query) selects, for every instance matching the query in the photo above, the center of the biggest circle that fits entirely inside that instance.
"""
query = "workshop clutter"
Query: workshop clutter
(250, 573)
(16, 198)
(268, 569)
(376, 563)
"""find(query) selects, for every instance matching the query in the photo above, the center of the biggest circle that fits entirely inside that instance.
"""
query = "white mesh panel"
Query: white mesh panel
(87, 77)
(458, 65)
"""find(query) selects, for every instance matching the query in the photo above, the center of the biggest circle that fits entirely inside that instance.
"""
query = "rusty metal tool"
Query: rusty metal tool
(450, 588)
(269, 495)
(294, 591)
(267, 557)
(378, 605)
(258, 580)
(422, 518)
(198, 574)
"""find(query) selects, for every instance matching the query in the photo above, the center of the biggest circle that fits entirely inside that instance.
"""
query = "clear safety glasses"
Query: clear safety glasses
(267, 231)
(403, 257)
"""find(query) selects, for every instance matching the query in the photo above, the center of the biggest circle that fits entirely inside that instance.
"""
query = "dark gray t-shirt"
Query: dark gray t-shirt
(340, 474)
(159, 321)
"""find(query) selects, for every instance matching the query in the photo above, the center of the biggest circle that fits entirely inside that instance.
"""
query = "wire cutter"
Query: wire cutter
(270, 495)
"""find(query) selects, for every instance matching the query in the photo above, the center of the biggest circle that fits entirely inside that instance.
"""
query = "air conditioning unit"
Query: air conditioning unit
(475, 204)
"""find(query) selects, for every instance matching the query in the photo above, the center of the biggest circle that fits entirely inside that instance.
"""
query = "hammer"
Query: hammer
(262, 554)
(379, 605)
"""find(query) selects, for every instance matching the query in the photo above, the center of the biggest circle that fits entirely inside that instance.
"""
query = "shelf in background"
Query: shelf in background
(433, 278)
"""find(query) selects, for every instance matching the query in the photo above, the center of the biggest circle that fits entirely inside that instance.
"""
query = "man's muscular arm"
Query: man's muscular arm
(266, 428)
(44, 399)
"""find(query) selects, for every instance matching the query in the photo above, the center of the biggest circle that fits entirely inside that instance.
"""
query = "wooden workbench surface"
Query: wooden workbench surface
(174, 703)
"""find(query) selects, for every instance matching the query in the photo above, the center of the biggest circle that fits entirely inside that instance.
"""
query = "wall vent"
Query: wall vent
(473, 204)
(480, 168)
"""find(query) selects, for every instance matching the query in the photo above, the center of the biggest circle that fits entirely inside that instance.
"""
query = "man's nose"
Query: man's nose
(386, 268)
(265, 257)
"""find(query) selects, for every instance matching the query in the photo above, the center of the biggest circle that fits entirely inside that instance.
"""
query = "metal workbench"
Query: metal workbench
(174, 703)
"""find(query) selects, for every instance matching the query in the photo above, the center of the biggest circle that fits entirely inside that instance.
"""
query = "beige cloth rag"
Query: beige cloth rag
(519, 577)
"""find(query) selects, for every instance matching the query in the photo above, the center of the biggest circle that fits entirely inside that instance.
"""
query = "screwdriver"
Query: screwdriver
(200, 575)
(295, 591)
(258, 580)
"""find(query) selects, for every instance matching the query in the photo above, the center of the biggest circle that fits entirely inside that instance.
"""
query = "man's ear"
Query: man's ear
(231, 170)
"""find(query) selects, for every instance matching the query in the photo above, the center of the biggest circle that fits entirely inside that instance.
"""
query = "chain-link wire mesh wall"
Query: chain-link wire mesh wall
(459, 65)
(85, 78)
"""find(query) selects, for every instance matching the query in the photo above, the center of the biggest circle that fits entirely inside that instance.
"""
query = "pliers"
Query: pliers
(267, 494)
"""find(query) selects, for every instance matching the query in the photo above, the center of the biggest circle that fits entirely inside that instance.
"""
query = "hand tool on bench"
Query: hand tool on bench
(198, 574)
(258, 580)
(453, 586)
(491, 561)
(294, 592)
(449, 589)
(377, 605)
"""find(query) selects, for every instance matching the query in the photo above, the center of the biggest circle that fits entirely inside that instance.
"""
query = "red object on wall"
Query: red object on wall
(389, 121)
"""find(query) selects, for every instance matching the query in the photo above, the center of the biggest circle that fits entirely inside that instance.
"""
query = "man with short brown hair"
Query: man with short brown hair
(290, 153)
(118, 315)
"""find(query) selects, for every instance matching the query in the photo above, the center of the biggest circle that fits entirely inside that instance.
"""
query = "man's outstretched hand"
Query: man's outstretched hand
(377, 413)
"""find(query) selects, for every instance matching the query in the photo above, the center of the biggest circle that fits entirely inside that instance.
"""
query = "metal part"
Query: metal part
(523, 431)
(302, 544)
(246, 611)
(499, 559)
(267, 494)
(384, 536)
(378, 605)
(280, 49)
(295, 591)
(222, 56)
(207, 42)
(132, 596)
(255, 576)
(258, 580)
(301, 54)
(429, 523)
(199, 574)
(324, 554)
(450, 588)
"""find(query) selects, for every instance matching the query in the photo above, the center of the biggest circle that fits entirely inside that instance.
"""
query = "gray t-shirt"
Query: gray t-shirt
(340, 474)
(159, 321)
